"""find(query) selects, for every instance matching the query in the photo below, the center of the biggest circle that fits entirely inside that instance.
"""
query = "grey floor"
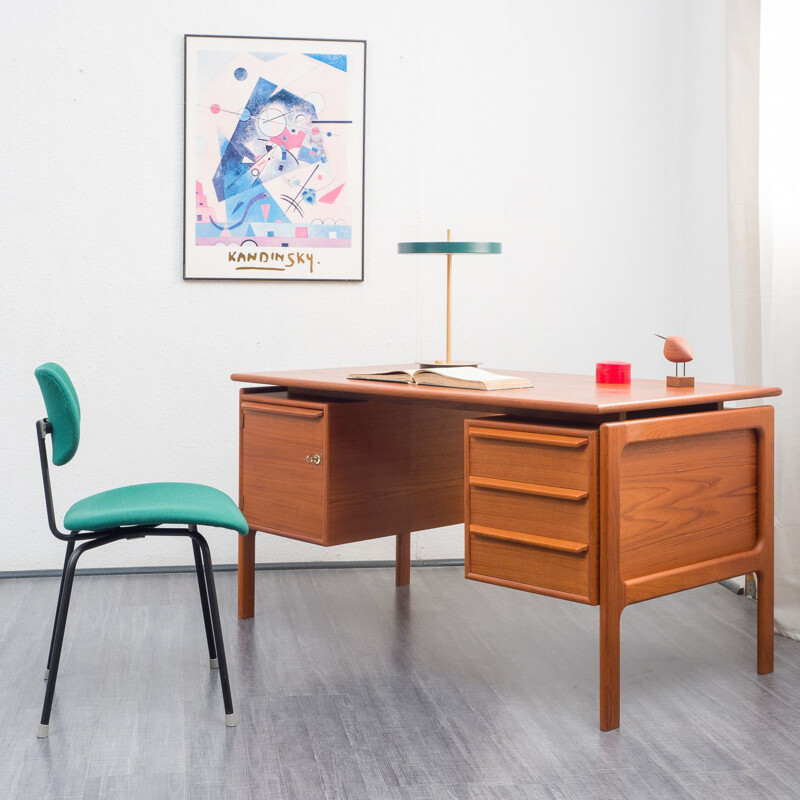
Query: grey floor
(348, 688)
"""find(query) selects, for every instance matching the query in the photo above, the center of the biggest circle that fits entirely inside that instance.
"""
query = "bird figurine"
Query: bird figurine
(679, 351)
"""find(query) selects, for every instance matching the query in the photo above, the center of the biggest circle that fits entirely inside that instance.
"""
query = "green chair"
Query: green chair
(131, 512)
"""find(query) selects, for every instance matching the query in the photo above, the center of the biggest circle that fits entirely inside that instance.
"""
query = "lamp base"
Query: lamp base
(443, 363)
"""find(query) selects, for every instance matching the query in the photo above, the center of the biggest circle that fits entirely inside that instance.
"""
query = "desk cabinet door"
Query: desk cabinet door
(283, 469)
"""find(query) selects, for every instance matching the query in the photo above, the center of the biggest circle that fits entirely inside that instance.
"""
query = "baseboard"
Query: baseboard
(56, 573)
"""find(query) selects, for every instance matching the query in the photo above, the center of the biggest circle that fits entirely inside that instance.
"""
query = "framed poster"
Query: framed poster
(274, 159)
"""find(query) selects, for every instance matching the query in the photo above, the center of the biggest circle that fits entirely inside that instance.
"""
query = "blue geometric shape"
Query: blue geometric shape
(332, 59)
(240, 73)
(242, 145)
(308, 155)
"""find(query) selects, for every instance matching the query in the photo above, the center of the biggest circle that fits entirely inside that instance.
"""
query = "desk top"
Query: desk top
(551, 392)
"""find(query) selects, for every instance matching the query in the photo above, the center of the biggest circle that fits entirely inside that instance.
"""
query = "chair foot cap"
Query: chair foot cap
(214, 662)
(230, 720)
(44, 731)
(46, 674)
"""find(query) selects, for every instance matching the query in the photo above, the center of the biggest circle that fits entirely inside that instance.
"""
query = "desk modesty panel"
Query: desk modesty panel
(600, 494)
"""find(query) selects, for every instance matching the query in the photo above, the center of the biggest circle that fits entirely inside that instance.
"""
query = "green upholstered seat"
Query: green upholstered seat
(156, 504)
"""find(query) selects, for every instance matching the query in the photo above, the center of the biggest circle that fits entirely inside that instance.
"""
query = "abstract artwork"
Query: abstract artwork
(274, 159)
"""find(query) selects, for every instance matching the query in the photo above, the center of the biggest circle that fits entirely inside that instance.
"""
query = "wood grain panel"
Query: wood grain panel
(393, 468)
(368, 463)
(530, 463)
(535, 567)
(436, 441)
(686, 500)
(281, 491)
(542, 516)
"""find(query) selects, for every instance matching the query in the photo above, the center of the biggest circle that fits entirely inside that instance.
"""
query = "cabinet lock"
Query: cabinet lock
(313, 459)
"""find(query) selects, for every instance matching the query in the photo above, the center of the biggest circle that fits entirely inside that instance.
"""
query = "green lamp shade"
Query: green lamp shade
(482, 248)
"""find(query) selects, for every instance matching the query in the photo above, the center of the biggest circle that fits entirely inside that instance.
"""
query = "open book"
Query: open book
(455, 377)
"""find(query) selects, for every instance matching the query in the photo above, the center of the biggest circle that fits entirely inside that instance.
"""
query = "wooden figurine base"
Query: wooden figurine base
(682, 381)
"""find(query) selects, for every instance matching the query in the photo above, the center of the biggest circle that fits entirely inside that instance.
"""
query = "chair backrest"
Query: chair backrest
(63, 410)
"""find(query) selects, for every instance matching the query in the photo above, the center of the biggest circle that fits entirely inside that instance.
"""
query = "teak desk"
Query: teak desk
(606, 495)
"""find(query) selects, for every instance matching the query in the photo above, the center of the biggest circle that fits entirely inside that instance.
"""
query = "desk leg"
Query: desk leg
(766, 574)
(609, 666)
(247, 575)
(402, 569)
(766, 620)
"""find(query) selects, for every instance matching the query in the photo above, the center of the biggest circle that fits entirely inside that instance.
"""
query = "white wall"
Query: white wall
(587, 137)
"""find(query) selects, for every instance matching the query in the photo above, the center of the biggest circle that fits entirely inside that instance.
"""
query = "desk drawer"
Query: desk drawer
(522, 562)
(532, 508)
(569, 520)
(531, 456)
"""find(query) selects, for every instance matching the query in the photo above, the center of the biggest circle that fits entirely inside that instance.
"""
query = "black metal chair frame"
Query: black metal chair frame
(93, 539)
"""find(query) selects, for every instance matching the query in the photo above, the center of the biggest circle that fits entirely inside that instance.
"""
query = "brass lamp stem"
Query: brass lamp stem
(449, 300)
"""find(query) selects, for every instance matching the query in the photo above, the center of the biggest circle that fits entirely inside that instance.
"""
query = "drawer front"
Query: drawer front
(282, 480)
(532, 509)
(544, 459)
(529, 566)
(552, 518)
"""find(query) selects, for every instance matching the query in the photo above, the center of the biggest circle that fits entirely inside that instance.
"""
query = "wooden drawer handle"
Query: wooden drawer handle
(289, 411)
(529, 438)
(562, 545)
(528, 488)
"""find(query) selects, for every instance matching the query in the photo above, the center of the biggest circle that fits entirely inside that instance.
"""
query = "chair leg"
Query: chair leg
(70, 548)
(201, 582)
(58, 637)
(230, 717)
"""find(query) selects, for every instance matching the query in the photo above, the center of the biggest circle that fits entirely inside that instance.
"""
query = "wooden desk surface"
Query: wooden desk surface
(574, 394)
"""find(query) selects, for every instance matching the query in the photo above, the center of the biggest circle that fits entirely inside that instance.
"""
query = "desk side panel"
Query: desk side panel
(688, 500)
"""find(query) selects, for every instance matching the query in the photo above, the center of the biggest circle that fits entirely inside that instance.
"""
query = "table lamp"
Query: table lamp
(449, 248)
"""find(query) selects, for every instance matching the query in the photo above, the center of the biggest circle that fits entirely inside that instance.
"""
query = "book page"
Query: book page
(466, 373)
(405, 375)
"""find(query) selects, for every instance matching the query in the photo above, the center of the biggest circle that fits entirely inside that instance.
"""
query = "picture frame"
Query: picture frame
(274, 158)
